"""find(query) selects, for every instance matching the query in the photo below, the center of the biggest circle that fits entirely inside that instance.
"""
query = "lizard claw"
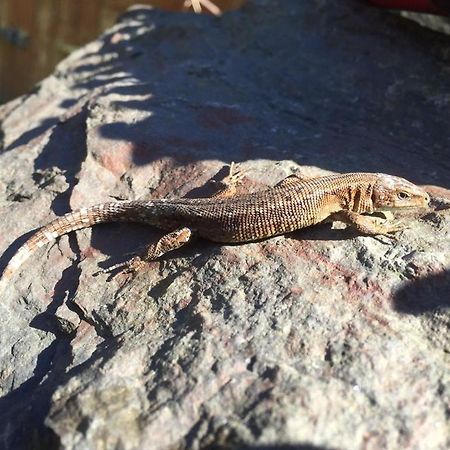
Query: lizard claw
(234, 176)
(392, 228)
(226, 187)
(388, 215)
(395, 227)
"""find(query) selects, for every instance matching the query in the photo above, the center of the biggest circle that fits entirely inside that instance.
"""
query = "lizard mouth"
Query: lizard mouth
(401, 208)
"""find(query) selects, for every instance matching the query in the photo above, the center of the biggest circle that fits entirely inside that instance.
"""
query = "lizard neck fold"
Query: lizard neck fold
(360, 199)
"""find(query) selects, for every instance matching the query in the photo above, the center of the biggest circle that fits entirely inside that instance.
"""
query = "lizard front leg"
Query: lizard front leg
(368, 224)
(228, 186)
(167, 243)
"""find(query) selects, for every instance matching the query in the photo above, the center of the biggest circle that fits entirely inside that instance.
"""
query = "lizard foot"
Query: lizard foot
(132, 266)
(390, 229)
(167, 243)
(227, 187)
(234, 176)
(394, 227)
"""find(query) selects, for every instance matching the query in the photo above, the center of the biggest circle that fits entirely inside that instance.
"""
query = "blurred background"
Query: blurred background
(36, 34)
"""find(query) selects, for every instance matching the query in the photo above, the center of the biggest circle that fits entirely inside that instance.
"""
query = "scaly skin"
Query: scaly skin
(292, 204)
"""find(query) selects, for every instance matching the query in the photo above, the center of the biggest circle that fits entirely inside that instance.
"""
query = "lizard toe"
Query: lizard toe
(395, 227)
(235, 177)
(131, 266)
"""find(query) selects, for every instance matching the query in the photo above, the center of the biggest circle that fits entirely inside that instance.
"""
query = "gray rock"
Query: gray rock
(67, 320)
(322, 339)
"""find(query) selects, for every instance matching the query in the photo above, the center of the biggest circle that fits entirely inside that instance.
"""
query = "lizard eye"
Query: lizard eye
(403, 195)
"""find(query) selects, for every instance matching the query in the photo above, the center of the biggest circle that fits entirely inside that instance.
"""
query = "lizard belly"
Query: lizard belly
(264, 221)
(252, 226)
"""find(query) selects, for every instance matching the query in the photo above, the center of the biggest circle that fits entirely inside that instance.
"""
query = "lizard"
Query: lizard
(228, 217)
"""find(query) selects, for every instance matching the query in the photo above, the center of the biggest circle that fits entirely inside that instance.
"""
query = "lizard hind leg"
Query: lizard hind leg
(178, 238)
(227, 187)
(167, 243)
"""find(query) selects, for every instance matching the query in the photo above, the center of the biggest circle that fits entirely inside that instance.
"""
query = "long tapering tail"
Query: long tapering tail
(120, 211)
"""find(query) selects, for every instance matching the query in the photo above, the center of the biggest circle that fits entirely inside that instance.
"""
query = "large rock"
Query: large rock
(320, 339)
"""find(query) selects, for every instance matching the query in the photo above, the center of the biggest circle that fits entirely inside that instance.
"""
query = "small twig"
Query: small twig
(207, 4)
(196, 6)
(211, 7)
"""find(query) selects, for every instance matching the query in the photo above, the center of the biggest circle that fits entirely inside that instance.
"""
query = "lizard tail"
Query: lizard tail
(128, 211)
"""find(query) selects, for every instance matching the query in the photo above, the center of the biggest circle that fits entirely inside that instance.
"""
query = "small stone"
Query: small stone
(67, 320)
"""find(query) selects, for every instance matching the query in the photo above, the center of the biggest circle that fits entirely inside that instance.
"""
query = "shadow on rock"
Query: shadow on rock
(324, 232)
(64, 153)
(12, 249)
(191, 109)
(33, 133)
(24, 409)
(424, 295)
(304, 446)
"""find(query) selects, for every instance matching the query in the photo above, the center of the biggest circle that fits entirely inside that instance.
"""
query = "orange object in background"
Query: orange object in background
(44, 32)
(441, 7)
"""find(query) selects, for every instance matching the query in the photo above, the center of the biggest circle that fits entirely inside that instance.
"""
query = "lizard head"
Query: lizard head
(391, 193)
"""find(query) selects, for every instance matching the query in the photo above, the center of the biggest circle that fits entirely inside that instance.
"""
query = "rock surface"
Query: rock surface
(322, 339)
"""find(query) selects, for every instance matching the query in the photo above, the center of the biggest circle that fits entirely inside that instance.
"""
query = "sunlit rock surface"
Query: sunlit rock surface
(318, 340)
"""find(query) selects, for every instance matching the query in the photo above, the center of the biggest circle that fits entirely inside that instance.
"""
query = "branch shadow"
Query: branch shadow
(65, 152)
(30, 402)
(29, 135)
